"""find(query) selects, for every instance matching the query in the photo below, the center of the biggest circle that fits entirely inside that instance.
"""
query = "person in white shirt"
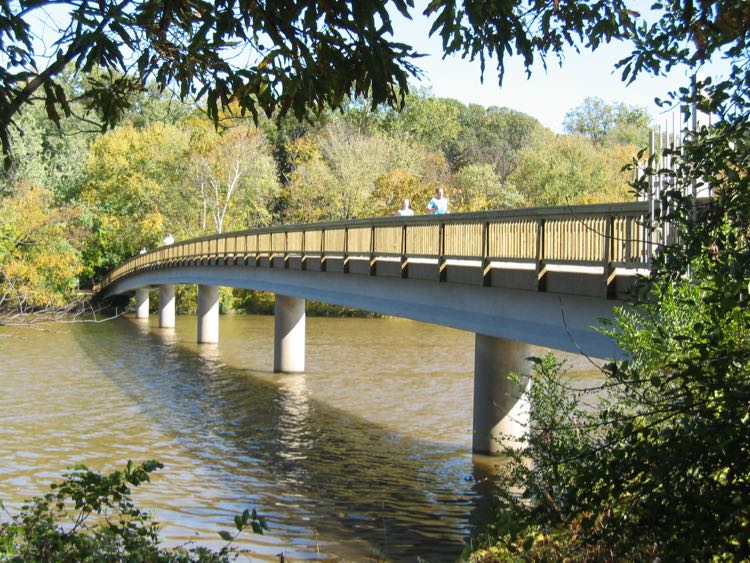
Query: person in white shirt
(169, 239)
(405, 210)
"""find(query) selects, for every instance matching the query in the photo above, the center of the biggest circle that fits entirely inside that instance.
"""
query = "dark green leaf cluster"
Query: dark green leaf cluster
(274, 57)
(91, 517)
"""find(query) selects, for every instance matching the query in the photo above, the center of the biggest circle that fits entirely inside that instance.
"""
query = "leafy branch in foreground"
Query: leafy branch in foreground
(91, 517)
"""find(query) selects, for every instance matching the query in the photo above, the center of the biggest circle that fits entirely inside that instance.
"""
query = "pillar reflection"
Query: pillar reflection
(294, 411)
(168, 336)
(209, 352)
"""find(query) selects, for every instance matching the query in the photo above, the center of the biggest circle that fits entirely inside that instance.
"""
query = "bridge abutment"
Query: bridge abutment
(501, 413)
(141, 303)
(166, 306)
(289, 334)
(208, 314)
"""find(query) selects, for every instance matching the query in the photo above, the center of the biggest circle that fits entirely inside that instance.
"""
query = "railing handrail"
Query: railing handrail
(595, 243)
(550, 212)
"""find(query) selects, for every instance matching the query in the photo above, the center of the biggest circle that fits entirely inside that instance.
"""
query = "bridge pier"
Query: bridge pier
(500, 412)
(166, 306)
(141, 303)
(208, 314)
(289, 334)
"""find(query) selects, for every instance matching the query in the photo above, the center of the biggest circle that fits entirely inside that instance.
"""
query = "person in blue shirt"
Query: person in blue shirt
(438, 205)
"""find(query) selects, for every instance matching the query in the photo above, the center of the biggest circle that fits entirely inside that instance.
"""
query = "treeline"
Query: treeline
(80, 201)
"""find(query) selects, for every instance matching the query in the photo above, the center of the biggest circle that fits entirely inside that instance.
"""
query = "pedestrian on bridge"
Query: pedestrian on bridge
(405, 210)
(438, 205)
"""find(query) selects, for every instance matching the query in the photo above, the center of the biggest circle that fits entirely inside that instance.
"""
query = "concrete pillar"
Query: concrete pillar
(141, 303)
(208, 314)
(500, 412)
(166, 306)
(289, 334)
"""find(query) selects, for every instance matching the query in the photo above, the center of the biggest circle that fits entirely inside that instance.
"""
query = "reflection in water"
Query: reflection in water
(293, 424)
(168, 336)
(366, 455)
(144, 325)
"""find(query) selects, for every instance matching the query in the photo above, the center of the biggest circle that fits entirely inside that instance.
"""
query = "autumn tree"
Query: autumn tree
(564, 169)
(232, 177)
(132, 176)
(348, 173)
(39, 264)
(476, 187)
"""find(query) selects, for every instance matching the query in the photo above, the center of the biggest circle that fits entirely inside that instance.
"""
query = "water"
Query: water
(366, 456)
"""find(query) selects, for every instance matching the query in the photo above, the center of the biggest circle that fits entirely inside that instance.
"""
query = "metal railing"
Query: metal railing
(607, 235)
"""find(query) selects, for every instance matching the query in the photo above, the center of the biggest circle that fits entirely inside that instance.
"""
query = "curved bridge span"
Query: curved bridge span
(541, 276)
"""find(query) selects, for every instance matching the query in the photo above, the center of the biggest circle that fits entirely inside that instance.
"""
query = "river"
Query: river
(366, 456)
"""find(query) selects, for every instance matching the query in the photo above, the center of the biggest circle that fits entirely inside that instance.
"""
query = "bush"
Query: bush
(91, 517)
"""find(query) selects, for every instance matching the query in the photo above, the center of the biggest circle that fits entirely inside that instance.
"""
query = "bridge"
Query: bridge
(542, 276)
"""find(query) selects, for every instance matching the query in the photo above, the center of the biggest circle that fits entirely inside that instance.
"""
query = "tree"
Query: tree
(132, 177)
(476, 187)
(273, 57)
(602, 122)
(39, 265)
(346, 173)
(432, 122)
(233, 177)
(565, 169)
(296, 57)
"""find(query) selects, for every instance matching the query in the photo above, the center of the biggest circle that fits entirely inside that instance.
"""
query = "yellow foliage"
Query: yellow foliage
(397, 184)
(38, 265)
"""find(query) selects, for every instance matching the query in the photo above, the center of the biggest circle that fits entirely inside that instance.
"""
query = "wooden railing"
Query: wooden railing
(610, 236)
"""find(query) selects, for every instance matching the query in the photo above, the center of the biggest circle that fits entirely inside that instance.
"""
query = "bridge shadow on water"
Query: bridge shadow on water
(314, 470)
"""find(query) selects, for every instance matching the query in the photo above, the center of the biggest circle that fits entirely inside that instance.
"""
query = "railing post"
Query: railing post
(609, 272)
(346, 250)
(628, 257)
(322, 250)
(486, 266)
(303, 258)
(286, 250)
(404, 259)
(541, 267)
(442, 265)
(373, 262)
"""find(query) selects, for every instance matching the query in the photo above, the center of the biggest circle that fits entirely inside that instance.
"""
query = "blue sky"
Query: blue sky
(547, 95)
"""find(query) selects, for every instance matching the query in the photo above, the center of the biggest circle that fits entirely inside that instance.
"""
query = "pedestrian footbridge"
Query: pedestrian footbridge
(543, 276)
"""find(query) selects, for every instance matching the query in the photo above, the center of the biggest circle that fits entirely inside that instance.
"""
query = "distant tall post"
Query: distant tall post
(208, 314)
(166, 306)
(141, 303)
(501, 413)
(289, 334)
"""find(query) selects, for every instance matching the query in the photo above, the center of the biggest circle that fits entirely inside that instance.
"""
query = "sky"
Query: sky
(546, 95)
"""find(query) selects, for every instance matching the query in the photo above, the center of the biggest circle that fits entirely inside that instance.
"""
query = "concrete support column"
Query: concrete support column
(141, 303)
(500, 412)
(208, 314)
(289, 334)
(166, 306)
